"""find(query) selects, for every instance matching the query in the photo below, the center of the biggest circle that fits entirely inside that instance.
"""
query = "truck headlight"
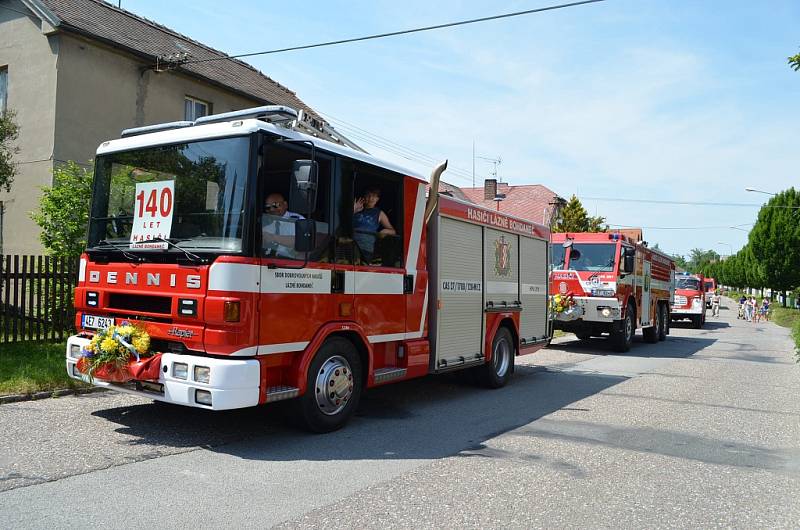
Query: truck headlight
(202, 374)
(203, 397)
(180, 370)
(74, 350)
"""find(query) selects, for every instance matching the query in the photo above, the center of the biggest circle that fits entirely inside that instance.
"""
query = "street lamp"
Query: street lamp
(728, 245)
(760, 191)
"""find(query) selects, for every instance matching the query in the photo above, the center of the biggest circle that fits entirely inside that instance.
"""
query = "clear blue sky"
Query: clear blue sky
(640, 99)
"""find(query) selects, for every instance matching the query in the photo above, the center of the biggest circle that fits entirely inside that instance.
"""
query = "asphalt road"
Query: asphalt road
(700, 431)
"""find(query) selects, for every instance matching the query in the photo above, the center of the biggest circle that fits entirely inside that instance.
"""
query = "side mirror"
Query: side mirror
(303, 187)
(305, 235)
(628, 263)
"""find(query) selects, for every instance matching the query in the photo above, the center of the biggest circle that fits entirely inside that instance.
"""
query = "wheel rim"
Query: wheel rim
(502, 357)
(334, 385)
(629, 327)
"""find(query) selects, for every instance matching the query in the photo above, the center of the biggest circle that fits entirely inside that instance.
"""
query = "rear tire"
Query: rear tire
(583, 335)
(333, 388)
(621, 340)
(497, 372)
(651, 334)
(664, 328)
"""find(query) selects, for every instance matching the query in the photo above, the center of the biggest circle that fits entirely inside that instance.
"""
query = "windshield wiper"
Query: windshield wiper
(108, 244)
(191, 255)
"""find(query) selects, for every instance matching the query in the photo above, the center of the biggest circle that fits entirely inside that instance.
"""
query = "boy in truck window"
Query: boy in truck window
(369, 223)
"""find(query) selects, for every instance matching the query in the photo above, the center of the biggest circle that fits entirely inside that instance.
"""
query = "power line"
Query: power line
(676, 227)
(395, 33)
(386, 144)
(683, 203)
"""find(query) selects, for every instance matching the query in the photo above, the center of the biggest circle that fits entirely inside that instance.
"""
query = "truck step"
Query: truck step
(387, 374)
(279, 393)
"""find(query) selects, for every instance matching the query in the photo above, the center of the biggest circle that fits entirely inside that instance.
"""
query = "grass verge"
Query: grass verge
(789, 318)
(27, 367)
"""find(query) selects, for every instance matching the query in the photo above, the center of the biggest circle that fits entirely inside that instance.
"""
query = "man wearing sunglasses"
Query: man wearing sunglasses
(278, 227)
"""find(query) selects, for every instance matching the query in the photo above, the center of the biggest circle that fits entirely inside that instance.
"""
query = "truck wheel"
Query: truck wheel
(583, 335)
(497, 372)
(664, 321)
(651, 334)
(621, 340)
(333, 387)
(697, 322)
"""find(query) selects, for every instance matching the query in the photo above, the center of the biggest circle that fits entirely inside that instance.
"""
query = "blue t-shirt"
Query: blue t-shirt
(365, 227)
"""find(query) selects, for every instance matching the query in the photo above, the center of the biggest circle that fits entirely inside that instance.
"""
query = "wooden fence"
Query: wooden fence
(36, 298)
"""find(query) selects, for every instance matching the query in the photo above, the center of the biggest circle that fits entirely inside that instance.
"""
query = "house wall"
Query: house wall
(30, 56)
(102, 91)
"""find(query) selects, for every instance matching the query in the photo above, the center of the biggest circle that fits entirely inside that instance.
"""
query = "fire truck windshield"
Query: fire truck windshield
(599, 257)
(192, 194)
(557, 252)
(687, 283)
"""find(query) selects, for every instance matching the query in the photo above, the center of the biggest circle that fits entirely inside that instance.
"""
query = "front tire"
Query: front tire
(697, 322)
(333, 387)
(497, 372)
(622, 339)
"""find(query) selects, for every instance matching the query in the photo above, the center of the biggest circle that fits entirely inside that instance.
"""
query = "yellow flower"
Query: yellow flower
(141, 343)
(108, 345)
(126, 331)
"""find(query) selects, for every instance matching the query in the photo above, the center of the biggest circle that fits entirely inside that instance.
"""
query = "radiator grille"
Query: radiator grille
(136, 302)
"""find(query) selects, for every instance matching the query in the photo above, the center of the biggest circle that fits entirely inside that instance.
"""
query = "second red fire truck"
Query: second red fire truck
(609, 283)
(690, 299)
(233, 242)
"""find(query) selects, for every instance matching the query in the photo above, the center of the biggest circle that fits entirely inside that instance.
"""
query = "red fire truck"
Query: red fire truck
(690, 299)
(250, 303)
(609, 283)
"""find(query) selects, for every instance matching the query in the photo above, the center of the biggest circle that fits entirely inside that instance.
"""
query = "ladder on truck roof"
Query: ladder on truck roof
(277, 114)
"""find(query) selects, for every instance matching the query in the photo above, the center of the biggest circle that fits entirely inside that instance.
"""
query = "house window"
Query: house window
(3, 89)
(195, 108)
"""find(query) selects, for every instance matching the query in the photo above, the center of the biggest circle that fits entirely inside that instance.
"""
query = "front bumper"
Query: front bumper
(595, 309)
(232, 383)
(681, 312)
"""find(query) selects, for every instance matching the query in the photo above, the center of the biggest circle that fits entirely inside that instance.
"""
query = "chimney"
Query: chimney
(489, 189)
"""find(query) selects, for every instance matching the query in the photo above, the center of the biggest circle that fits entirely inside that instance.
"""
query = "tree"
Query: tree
(63, 212)
(794, 62)
(699, 258)
(574, 218)
(680, 261)
(775, 241)
(9, 131)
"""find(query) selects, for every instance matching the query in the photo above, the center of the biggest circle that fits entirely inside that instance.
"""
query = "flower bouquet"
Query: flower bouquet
(561, 302)
(563, 307)
(118, 354)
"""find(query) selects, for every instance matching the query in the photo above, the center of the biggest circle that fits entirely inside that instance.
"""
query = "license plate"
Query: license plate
(95, 322)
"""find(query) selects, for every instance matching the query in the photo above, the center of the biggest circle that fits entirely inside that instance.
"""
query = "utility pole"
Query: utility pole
(473, 163)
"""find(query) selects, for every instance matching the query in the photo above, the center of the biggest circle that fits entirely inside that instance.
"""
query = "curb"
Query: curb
(15, 398)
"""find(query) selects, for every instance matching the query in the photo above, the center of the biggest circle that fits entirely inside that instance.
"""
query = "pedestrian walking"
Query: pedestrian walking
(750, 308)
(764, 310)
(716, 298)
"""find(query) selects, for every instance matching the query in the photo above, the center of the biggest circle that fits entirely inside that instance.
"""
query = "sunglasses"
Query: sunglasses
(272, 206)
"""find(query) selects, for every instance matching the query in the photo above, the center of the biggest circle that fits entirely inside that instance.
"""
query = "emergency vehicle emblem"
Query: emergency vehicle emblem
(502, 256)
